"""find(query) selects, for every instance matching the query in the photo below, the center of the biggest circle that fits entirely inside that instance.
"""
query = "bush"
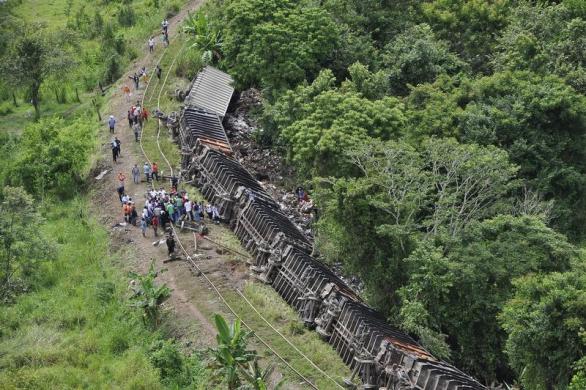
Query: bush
(113, 70)
(6, 108)
(53, 157)
(165, 356)
(172, 9)
(189, 64)
(126, 16)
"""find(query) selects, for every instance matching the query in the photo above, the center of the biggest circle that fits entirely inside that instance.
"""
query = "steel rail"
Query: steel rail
(194, 264)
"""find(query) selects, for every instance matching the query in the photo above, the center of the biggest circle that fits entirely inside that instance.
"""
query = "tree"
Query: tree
(276, 43)
(34, 56)
(204, 36)
(23, 246)
(401, 195)
(53, 156)
(544, 39)
(149, 296)
(545, 322)
(539, 120)
(417, 57)
(459, 286)
(470, 26)
(319, 123)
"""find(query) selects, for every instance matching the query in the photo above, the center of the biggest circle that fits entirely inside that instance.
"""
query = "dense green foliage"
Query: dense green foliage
(53, 156)
(447, 143)
(76, 328)
(56, 54)
(22, 248)
(66, 315)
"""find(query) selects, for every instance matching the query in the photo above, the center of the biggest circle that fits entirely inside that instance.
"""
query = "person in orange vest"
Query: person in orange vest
(126, 208)
(155, 169)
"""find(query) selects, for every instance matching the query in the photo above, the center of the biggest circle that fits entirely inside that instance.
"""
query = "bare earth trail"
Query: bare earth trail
(109, 209)
(193, 302)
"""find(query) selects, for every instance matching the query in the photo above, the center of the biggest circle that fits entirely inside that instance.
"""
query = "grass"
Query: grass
(77, 329)
(264, 298)
(287, 322)
(163, 95)
(56, 14)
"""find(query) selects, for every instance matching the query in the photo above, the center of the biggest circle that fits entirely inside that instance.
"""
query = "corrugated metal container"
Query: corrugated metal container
(211, 90)
(205, 126)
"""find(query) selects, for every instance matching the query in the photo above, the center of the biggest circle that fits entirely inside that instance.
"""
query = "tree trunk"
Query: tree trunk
(35, 100)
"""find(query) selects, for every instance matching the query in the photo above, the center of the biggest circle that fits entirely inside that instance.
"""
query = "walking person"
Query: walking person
(114, 153)
(135, 174)
(120, 188)
(151, 44)
(158, 71)
(165, 38)
(111, 123)
(170, 244)
(143, 226)
(136, 129)
(155, 224)
(165, 25)
(147, 171)
(118, 149)
(136, 80)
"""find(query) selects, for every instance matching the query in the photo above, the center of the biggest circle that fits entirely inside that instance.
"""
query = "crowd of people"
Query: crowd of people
(162, 208)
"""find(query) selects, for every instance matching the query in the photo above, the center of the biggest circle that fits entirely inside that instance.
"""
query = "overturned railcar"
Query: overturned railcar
(380, 355)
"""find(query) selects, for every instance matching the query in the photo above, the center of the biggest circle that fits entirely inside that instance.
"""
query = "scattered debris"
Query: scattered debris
(269, 167)
(102, 174)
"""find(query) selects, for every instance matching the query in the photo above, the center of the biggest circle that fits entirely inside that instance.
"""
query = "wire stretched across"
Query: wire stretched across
(194, 264)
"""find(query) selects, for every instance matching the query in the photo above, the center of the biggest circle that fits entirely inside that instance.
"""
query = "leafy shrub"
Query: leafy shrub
(172, 9)
(53, 157)
(126, 16)
(6, 108)
(113, 69)
(189, 64)
(118, 344)
(164, 355)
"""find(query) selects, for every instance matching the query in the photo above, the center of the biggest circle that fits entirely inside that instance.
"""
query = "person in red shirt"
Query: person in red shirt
(155, 223)
(155, 169)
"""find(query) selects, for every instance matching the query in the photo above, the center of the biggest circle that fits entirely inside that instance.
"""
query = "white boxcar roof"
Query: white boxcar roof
(211, 90)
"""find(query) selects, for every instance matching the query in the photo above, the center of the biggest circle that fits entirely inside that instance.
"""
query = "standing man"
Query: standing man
(118, 143)
(135, 174)
(170, 244)
(121, 179)
(111, 123)
(165, 25)
(136, 80)
(147, 171)
(136, 129)
(155, 171)
(158, 71)
(151, 44)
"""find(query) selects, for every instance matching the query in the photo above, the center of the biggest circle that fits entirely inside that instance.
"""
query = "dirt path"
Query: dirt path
(106, 198)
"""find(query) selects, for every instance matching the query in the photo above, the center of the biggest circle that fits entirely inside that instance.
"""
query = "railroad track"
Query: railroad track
(194, 264)
(380, 355)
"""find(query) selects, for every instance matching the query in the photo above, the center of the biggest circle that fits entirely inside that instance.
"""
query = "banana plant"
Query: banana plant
(231, 351)
(204, 37)
(256, 377)
(149, 296)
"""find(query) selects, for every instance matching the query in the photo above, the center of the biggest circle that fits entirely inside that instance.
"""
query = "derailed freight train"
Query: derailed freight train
(382, 356)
